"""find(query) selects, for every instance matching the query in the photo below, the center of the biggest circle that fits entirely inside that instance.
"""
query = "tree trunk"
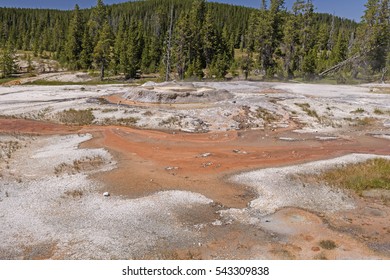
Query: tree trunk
(102, 72)
(168, 63)
(384, 71)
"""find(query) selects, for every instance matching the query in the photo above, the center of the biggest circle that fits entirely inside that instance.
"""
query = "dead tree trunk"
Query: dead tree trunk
(340, 65)
(169, 46)
(102, 72)
(384, 72)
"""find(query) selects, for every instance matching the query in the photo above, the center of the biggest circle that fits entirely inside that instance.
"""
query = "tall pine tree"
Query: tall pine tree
(73, 47)
(102, 50)
(7, 60)
(373, 34)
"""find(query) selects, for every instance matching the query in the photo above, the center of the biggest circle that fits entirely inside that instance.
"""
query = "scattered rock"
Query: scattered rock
(288, 139)
(106, 194)
(326, 138)
(377, 193)
(204, 155)
(240, 152)
(170, 168)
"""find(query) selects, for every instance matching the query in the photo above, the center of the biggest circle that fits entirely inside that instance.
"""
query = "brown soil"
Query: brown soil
(152, 161)
(18, 126)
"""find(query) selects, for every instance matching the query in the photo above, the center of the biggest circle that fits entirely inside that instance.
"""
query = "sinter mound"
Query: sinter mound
(176, 93)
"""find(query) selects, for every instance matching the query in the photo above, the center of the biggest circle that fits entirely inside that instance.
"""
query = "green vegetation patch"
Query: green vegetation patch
(76, 117)
(372, 174)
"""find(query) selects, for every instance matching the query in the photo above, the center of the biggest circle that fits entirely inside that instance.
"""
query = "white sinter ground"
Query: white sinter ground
(57, 215)
(41, 213)
(332, 106)
(279, 187)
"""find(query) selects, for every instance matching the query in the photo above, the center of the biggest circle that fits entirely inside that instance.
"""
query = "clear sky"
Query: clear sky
(352, 9)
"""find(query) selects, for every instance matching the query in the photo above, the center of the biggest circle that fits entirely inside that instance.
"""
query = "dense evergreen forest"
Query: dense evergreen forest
(197, 39)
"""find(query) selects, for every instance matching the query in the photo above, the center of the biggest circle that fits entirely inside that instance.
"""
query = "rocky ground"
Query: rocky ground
(193, 171)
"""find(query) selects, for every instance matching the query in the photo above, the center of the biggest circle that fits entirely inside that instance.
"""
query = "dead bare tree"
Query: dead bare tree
(169, 48)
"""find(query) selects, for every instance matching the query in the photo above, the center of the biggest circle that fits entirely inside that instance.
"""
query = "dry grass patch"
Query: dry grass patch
(84, 164)
(74, 193)
(130, 121)
(306, 108)
(378, 112)
(380, 90)
(327, 244)
(358, 111)
(359, 177)
(8, 148)
(364, 121)
(76, 117)
(170, 121)
(267, 116)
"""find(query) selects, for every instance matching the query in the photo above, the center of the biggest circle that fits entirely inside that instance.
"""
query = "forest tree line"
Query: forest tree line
(195, 38)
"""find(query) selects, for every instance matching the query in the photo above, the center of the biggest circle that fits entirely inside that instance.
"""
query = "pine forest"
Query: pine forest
(195, 39)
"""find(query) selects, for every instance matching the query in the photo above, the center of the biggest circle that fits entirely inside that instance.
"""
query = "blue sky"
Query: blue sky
(344, 8)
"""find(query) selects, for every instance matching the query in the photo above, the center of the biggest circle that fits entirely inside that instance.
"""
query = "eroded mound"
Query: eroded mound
(176, 93)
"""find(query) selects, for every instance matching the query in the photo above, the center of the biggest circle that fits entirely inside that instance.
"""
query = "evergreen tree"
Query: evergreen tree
(86, 55)
(262, 38)
(181, 44)
(383, 38)
(205, 36)
(309, 64)
(305, 16)
(134, 49)
(291, 41)
(373, 34)
(220, 66)
(196, 18)
(268, 35)
(246, 64)
(73, 45)
(119, 47)
(307, 34)
(97, 20)
(340, 51)
(209, 39)
(7, 61)
(102, 50)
